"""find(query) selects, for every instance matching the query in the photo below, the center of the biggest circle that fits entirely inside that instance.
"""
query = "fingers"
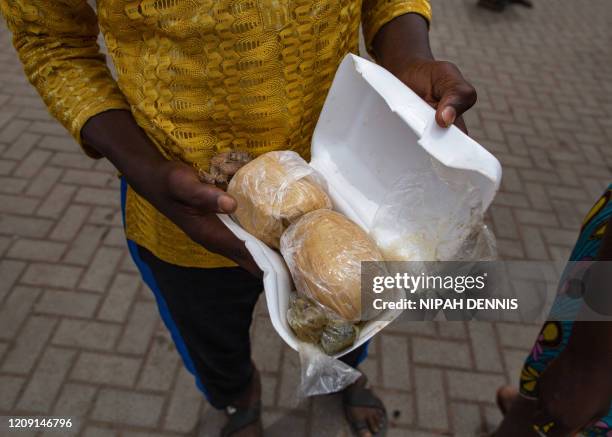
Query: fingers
(204, 226)
(374, 422)
(185, 186)
(460, 123)
(216, 237)
(455, 101)
(248, 263)
(455, 94)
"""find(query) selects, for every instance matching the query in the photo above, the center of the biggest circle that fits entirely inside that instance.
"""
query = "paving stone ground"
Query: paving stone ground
(79, 332)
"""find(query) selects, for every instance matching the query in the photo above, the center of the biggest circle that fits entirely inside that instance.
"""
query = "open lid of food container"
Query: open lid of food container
(372, 130)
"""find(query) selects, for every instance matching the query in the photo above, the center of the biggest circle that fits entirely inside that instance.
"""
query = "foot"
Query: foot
(244, 415)
(506, 396)
(365, 419)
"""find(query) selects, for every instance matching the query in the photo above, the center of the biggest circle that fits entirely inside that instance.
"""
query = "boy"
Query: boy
(196, 78)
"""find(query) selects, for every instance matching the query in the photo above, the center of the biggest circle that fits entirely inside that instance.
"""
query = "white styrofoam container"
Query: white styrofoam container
(372, 130)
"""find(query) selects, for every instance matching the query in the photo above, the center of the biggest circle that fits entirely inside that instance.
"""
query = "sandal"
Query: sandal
(365, 398)
(240, 418)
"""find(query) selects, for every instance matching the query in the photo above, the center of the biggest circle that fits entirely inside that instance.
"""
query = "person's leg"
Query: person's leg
(518, 411)
(517, 420)
(356, 357)
(552, 340)
(519, 407)
(363, 408)
(209, 311)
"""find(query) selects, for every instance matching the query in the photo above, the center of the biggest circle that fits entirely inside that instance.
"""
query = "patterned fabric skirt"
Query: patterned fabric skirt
(554, 336)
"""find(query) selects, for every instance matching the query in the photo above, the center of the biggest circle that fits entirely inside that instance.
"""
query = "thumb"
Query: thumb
(185, 186)
(454, 102)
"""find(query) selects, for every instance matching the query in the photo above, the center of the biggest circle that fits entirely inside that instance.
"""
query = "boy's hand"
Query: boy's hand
(442, 85)
(402, 47)
(193, 207)
(170, 186)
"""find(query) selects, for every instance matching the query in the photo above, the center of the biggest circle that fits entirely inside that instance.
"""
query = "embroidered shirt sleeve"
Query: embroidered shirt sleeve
(57, 44)
(377, 13)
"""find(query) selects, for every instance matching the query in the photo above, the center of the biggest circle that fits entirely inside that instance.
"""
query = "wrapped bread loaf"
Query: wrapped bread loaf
(324, 251)
(273, 191)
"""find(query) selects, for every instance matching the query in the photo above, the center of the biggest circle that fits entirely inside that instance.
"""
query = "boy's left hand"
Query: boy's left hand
(442, 85)
(402, 47)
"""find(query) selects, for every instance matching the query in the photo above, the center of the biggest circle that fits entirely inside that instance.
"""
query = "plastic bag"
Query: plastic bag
(273, 191)
(306, 319)
(324, 251)
(311, 322)
(322, 374)
(412, 225)
(337, 336)
(318, 328)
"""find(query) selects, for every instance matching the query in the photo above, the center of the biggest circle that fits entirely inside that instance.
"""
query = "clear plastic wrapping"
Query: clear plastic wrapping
(312, 323)
(412, 225)
(306, 319)
(273, 191)
(324, 251)
(321, 334)
(322, 374)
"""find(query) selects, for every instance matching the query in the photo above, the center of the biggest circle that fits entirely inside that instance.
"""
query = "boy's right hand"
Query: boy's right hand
(172, 187)
(193, 207)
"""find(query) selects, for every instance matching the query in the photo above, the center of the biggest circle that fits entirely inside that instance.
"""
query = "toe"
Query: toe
(373, 424)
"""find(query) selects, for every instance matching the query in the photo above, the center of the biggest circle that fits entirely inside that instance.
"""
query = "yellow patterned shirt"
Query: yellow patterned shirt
(200, 76)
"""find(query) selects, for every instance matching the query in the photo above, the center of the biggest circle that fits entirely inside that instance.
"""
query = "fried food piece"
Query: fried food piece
(223, 167)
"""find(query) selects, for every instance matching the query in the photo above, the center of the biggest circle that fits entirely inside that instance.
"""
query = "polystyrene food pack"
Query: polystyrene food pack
(372, 130)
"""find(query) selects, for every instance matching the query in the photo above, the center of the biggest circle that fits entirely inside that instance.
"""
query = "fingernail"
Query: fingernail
(448, 115)
(226, 203)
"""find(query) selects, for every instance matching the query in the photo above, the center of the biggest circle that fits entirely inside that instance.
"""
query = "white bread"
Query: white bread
(324, 251)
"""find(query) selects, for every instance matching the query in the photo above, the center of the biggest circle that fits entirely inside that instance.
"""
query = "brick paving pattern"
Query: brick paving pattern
(79, 333)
